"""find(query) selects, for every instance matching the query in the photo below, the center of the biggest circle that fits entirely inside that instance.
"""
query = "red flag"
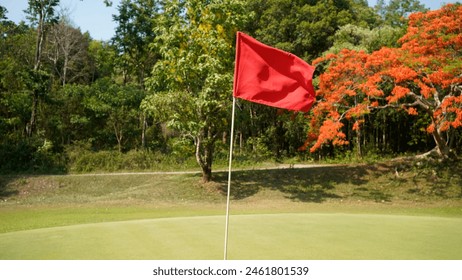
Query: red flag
(270, 76)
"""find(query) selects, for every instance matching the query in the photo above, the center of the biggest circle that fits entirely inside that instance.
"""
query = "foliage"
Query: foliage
(41, 13)
(397, 11)
(118, 106)
(82, 160)
(134, 33)
(102, 56)
(30, 156)
(61, 89)
(3, 12)
(191, 83)
(421, 77)
(358, 38)
(306, 28)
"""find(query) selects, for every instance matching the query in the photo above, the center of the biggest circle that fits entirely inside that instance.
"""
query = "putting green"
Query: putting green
(273, 236)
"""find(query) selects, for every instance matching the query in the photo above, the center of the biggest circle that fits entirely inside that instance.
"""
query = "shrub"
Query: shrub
(31, 155)
(84, 160)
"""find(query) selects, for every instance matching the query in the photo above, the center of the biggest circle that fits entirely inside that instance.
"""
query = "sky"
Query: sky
(93, 15)
(89, 15)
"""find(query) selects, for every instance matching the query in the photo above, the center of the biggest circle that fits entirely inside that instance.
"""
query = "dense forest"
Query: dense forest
(388, 82)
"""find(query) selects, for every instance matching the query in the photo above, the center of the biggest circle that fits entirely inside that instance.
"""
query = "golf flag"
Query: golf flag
(272, 77)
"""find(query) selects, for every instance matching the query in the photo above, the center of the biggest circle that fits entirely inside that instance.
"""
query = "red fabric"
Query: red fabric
(270, 76)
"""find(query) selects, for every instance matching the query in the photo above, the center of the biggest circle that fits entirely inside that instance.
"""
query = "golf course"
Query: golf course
(389, 210)
(121, 121)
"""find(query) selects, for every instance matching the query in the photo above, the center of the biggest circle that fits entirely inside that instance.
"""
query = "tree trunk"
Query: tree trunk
(206, 175)
(241, 142)
(37, 60)
(33, 116)
(39, 44)
(65, 66)
(358, 143)
(441, 147)
(119, 136)
(204, 156)
(144, 126)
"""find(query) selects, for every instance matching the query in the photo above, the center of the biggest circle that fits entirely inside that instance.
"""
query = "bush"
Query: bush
(32, 156)
(83, 160)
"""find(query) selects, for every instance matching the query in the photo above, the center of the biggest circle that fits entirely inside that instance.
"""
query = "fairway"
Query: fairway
(262, 236)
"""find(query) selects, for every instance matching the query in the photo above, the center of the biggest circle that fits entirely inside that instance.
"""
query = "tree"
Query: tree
(306, 28)
(68, 52)
(41, 14)
(424, 76)
(354, 37)
(135, 31)
(16, 60)
(191, 84)
(383, 29)
(396, 12)
(102, 60)
(132, 37)
(3, 12)
(117, 107)
(432, 71)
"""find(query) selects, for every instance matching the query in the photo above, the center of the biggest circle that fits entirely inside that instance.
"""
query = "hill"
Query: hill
(399, 186)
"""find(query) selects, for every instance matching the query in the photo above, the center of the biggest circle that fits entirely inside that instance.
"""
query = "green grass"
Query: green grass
(324, 212)
(275, 236)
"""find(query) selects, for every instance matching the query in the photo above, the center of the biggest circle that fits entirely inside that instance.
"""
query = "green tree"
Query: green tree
(133, 35)
(3, 12)
(41, 15)
(191, 84)
(354, 37)
(102, 59)
(396, 12)
(306, 28)
(15, 70)
(112, 111)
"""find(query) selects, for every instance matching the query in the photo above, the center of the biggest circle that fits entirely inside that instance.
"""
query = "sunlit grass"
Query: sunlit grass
(296, 206)
(260, 236)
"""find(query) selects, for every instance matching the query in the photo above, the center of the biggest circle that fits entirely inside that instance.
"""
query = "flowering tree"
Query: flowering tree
(423, 76)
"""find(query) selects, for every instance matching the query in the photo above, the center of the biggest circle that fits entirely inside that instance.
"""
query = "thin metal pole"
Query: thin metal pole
(231, 141)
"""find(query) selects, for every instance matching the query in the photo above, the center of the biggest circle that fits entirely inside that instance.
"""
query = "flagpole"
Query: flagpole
(231, 141)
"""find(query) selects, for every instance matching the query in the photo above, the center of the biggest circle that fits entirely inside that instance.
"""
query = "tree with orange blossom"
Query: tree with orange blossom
(423, 76)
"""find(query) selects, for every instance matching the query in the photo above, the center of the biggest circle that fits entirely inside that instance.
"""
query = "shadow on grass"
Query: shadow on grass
(310, 184)
(381, 182)
(5, 190)
(376, 195)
